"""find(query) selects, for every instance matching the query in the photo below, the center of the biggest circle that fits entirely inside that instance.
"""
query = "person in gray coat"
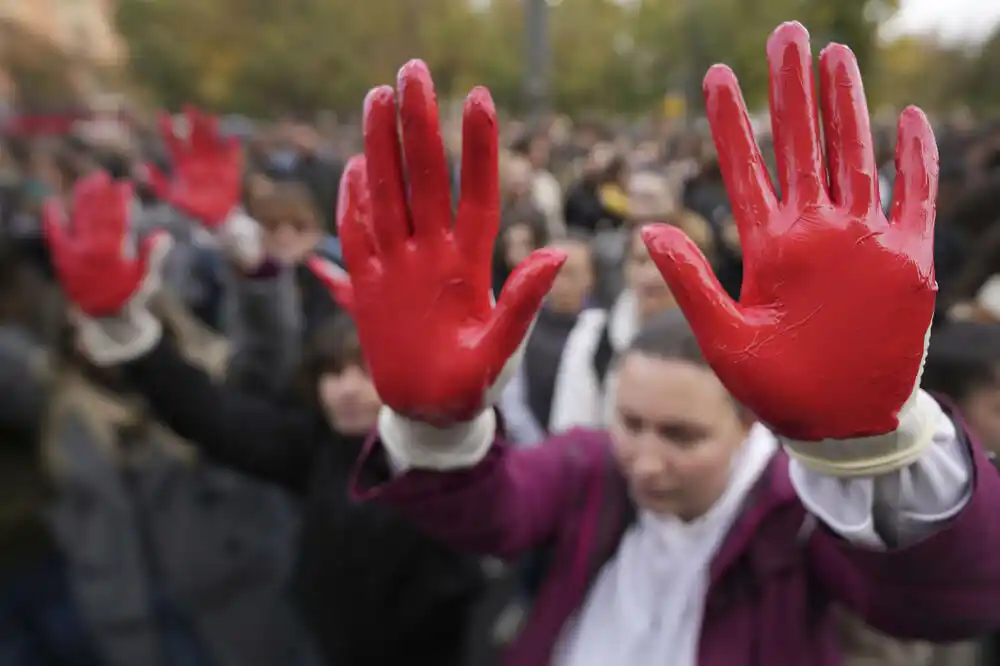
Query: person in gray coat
(174, 560)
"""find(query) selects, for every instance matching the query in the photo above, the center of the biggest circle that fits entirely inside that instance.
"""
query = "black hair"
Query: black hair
(331, 347)
(963, 357)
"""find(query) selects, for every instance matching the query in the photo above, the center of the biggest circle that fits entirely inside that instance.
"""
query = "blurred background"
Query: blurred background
(628, 58)
(602, 129)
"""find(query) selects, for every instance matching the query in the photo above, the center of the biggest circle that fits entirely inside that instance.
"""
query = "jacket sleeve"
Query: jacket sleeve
(475, 493)
(940, 586)
(249, 435)
(264, 328)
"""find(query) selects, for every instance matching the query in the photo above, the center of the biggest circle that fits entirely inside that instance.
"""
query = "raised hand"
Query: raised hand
(101, 265)
(829, 335)
(208, 170)
(420, 294)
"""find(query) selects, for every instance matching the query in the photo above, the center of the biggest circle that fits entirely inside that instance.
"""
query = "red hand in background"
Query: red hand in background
(100, 264)
(828, 337)
(207, 170)
(420, 286)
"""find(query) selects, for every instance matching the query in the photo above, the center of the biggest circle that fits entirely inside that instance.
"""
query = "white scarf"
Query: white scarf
(647, 603)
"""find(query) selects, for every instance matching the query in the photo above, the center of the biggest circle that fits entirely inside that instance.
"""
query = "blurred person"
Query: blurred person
(526, 404)
(522, 230)
(690, 528)
(372, 588)
(515, 180)
(963, 362)
(585, 379)
(293, 231)
(172, 558)
(41, 622)
(546, 193)
(298, 155)
(599, 184)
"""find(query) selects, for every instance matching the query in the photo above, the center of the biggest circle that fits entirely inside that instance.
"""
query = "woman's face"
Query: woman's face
(349, 400)
(518, 243)
(290, 242)
(674, 435)
(644, 279)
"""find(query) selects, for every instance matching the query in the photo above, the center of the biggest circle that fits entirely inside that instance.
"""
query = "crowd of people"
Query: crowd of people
(189, 388)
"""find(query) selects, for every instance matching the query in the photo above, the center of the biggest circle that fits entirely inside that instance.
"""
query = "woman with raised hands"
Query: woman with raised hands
(373, 589)
(768, 459)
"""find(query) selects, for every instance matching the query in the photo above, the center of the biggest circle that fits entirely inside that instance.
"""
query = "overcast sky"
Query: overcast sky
(951, 19)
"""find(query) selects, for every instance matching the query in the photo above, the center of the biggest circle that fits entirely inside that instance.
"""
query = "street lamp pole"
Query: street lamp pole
(537, 59)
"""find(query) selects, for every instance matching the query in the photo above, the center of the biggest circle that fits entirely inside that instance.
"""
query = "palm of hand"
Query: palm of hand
(420, 285)
(454, 299)
(97, 261)
(802, 301)
(828, 337)
(208, 169)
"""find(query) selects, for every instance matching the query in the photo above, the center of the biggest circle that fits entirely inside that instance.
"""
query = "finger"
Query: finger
(354, 219)
(751, 193)
(915, 192)
(90, 204)
(389, 212)
(426, 163)
(158, 182)
(204, 130)
(109, 220)
(692, 282)
(174, 145)
(519, 301)
(478, 220)
(335, 279)
(847, 130)
(794, 115)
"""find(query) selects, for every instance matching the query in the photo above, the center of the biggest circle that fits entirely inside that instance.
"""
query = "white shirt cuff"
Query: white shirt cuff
(899, 508)
(413, 444)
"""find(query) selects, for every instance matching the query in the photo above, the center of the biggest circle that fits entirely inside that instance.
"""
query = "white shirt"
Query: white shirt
(579, 399)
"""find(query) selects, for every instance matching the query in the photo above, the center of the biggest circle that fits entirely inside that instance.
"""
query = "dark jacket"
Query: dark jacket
(772, 591)
(374, 589)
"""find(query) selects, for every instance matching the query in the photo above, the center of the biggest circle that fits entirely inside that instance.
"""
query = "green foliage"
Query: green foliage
(266, 57)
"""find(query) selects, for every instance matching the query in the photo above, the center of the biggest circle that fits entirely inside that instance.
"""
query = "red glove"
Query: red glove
(101, 266)
(208, 170)
(434, 342)
(335, 279)
(830, 332)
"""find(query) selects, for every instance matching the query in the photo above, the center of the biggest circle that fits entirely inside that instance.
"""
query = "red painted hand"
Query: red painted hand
(829, 335)
(420, 294)
(99, 262)
(208, 170)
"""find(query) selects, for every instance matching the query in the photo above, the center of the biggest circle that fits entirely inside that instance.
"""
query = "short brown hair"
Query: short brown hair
(287, 202)
(668, 336)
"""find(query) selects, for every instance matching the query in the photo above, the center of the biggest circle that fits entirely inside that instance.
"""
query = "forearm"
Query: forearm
(263, 323)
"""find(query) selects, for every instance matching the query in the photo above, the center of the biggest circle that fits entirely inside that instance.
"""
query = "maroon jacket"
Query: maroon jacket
(773, 582)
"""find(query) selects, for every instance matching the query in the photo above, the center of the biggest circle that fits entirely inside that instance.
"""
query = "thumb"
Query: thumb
(519, 301)
(335, 279)
(707, 307)
(152, 253)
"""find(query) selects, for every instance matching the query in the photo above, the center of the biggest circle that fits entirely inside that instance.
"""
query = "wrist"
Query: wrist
(874, 455)
(120, 339)
(414, 444)
(242, 239)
